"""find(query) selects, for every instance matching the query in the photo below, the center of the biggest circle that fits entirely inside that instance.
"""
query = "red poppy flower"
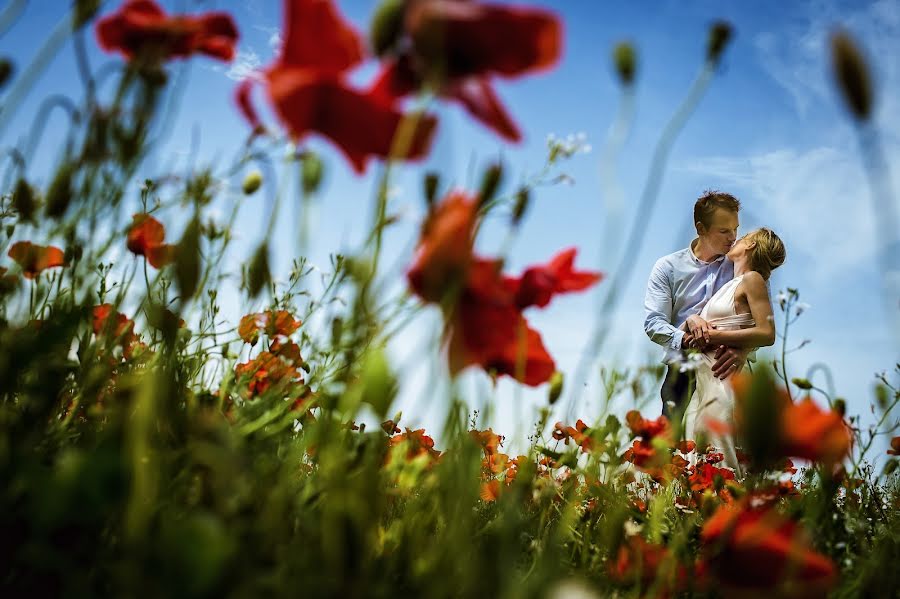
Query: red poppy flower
(308, 90)
(35, 258)
(445, 248)
(538, 284)
(488, 330)
(141, 27)
(704, 477)
(646, 428)
(145, 238)
(102, 313)
(456, 47)
(757, 549)
(640, 561)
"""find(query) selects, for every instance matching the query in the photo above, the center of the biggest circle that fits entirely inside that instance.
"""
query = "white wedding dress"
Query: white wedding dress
(710, 413)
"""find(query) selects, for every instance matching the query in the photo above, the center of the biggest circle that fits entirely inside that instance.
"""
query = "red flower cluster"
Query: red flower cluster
(142, 28)
(753, 548)
(455, 49)
(120, 328)
(580, 434)
(650, 451)
(146, 238)
(308, 88)
(268, 370)
(638, 561)
(482, 306)
(416, 442)
(273, 323)
(34, 259)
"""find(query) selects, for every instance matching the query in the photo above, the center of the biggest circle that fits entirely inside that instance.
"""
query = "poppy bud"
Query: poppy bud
(73, 253)
(23, 199)
(431, 182)
(882, 397)
(802, 383)
(840, 406)
(252, 182)
(84, 12)
(523, 200)
(379, 383)
(890, 467)
(59, 195)
(719, 36)
(337, 329)
(6, 71)
(311, 172)
(489, 183)
(258, 274)
(386, 27)
(852, 75)
(187, 261)
(556, 387)
(625, 61)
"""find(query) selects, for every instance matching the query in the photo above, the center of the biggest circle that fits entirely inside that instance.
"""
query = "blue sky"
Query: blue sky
(769, 130)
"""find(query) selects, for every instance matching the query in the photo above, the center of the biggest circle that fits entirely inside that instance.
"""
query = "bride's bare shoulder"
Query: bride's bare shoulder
(753, 283)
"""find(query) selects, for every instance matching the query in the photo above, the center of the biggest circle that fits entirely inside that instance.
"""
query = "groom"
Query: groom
(681, 284)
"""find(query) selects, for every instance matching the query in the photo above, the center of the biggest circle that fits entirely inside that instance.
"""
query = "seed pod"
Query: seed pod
(625, 61)
(258, 273)
(840, 406)
(23, 199)
(523, 200)
(489, 183)
(719, 36)
(431, 182)
(890, 467)
(187, 261)
(556, 388)
(802, 383)
(252, 182)
(337, 329)
(60, 193)
(6, 71)
(852, 75)
(311, 172)
(387, 26)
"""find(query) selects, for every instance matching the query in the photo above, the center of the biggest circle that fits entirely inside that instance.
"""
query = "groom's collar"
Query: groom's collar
(698, 260)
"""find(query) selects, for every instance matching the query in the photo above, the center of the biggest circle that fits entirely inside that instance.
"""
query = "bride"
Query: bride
(738, 315)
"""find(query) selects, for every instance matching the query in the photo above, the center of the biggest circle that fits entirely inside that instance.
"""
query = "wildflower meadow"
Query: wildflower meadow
(153, 445)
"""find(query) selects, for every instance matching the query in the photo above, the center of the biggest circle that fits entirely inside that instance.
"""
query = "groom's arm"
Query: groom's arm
(658, 305)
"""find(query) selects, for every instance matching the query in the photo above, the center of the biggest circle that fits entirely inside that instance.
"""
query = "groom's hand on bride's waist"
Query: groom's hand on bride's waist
(728, 361)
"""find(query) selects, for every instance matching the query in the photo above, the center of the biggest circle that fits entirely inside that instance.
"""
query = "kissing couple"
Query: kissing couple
(712, 297)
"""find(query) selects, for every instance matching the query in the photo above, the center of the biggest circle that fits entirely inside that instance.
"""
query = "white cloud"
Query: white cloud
(244, 65)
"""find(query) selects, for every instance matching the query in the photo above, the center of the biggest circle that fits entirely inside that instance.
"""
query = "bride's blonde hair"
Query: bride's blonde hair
(768, 253)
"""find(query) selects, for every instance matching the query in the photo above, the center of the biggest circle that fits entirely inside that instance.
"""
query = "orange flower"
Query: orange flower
(273, 323)
(33, 259)
(814, 434)
(756, 549)
(488, 439)
(266, 371)
(490, 490)
(116, 324)
(416, 442)
(145, 238)
(895, 446)
(141, 26)
(445, 248)
(704, 477)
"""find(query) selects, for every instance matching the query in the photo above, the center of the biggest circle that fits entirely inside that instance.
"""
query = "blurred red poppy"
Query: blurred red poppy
(445, 248)
(267, 370)
(142, 28)
(489, 440)
(538, 284)
(416, 443)
(456, 47)
(895, 446)
(757, 549)
(33, 259)
(145, 238)
(812, 433)
(308, 90)
(273, 323)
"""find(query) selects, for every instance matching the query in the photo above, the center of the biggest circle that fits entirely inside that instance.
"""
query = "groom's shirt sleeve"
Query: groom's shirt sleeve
(659, 306)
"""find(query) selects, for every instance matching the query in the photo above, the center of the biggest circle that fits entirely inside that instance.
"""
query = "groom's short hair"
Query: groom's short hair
(706, 205)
